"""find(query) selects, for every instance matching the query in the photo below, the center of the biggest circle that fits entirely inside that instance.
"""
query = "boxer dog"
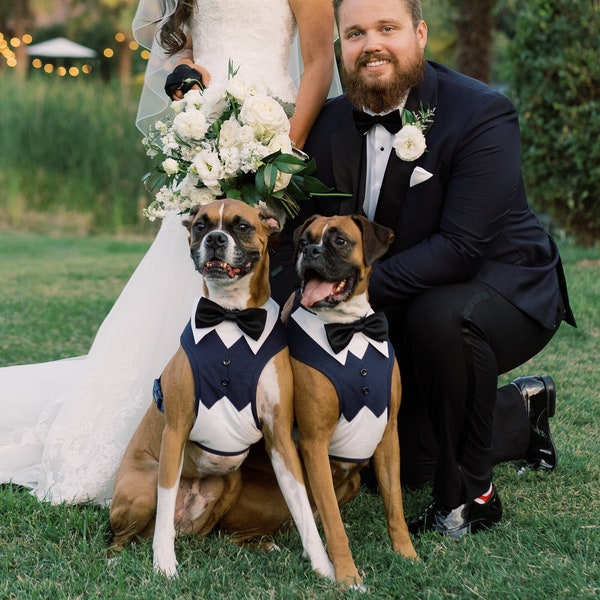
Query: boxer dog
(346, 380)
(180, 470)
(346, 400)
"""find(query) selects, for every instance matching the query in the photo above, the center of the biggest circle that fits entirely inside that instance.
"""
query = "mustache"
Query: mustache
(367, 57)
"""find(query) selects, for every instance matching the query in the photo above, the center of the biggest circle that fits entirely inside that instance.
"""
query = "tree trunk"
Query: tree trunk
(22, 20)
(474, 27)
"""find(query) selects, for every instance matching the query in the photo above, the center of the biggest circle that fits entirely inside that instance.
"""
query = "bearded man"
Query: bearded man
(472, 285)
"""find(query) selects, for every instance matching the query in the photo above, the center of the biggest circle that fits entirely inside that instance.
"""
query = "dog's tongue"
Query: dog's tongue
(316, 290)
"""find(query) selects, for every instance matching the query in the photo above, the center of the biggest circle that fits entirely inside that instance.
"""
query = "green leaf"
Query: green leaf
(154, 180)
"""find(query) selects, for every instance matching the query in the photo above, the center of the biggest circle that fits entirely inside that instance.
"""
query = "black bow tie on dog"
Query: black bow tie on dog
(250, 320)
(339, 335)
(391, 121)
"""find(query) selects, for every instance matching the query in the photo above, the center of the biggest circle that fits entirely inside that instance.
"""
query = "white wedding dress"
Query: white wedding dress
(64, 425)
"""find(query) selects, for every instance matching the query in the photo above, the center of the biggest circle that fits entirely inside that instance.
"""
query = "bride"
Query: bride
(65, 424)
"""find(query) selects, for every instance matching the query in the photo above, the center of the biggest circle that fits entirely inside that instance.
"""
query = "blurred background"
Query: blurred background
(71, 158)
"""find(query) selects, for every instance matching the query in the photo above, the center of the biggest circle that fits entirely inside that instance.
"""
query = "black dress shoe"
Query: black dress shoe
(456, 522)
(539, 395)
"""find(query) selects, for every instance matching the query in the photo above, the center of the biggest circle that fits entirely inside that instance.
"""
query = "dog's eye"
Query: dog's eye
(199, 226)
(243, 227)
(340, 241)
(302, 243)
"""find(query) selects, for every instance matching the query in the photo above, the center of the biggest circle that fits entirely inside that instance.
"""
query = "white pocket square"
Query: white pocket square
(419, 175)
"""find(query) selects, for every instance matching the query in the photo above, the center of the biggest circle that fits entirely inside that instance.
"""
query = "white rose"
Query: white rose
(238, 89)
(264, 114)
(170, 166)
(214, 102)
(280, 141)
(409, 143)
(228, 136)
(245, 135)
(282, 181)
(190, 124)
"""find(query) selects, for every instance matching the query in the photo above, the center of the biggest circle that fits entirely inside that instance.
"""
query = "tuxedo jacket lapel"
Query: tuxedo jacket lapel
(349, 167)
(396, 179)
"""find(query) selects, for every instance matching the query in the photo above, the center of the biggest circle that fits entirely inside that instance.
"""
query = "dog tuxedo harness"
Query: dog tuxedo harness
(361, 374)
(226, 364)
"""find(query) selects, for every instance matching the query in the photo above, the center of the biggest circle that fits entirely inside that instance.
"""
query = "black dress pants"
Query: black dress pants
(452, 342)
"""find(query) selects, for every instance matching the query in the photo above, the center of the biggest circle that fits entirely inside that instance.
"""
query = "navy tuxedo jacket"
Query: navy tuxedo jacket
(470, 219)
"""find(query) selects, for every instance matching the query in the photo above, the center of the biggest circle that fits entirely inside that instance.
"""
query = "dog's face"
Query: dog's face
(334, 257)
(228, 244)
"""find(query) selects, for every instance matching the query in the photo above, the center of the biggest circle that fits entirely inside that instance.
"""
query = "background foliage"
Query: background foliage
(554, 71)
(70, 148)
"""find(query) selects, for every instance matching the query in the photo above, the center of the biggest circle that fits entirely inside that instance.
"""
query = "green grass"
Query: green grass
(54, 292)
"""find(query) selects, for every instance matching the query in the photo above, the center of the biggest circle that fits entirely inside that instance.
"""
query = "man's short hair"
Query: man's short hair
(414, 8)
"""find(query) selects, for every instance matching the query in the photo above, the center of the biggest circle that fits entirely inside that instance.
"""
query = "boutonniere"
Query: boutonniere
(409, 142)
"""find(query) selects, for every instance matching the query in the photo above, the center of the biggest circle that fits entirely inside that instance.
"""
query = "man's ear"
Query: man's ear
(376, 238)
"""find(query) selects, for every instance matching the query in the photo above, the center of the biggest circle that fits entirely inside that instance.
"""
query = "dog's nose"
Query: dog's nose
(215, 239)
(312, 251)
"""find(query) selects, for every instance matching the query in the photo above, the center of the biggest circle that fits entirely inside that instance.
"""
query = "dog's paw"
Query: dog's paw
(165, 562)
(322, 566)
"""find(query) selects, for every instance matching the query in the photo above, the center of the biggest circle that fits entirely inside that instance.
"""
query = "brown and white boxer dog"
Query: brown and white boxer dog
(180, 470)
(347, 385)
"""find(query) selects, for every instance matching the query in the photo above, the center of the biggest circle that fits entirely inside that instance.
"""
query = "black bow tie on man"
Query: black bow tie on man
(250, 320)
(339, 335)
(392, 121)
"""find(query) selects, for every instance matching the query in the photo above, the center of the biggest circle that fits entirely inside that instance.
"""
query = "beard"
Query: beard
(382, 96)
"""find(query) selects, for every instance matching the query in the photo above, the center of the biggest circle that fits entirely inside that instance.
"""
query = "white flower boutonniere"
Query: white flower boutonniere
(409, 142)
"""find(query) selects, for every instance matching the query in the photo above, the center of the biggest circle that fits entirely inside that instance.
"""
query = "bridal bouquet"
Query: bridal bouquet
(230, 142)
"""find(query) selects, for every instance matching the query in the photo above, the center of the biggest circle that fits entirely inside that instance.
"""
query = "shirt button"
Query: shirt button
(225, 382)
(226, 362)
(364, 372)
(365, 391)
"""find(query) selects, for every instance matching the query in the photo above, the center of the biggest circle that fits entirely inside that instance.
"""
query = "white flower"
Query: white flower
(265, 115)
(409, 143)
(245, 135)
(282, 181)
(190, 124)
(228, 136)
(280, 141)
(208, 167)
(171, 166)
(178, 106)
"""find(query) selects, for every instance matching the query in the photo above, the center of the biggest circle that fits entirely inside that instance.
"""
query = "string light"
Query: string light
(9, 56)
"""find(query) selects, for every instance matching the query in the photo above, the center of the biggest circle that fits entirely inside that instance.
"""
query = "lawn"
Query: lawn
(54, 293)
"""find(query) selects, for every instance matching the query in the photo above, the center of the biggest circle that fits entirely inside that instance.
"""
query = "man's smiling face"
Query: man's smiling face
(382, 52)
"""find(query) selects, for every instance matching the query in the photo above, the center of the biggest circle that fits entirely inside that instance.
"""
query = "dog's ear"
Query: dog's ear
(272, 224)
(376, 238)
(187, 223)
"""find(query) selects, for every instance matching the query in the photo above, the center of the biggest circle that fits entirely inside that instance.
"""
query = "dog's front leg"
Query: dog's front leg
(169, 474)
(386, 463)
(277, 415)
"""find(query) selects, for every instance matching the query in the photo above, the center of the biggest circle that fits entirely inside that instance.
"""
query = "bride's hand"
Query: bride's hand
(177, 88)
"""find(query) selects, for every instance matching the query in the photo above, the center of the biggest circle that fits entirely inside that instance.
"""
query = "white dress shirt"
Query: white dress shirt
(379, 145)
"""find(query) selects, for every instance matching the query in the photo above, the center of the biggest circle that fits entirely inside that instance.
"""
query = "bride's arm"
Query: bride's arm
(315, 29)
(186, 57)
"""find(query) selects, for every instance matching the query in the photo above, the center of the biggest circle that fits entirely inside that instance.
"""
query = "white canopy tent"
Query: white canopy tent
(60, 48)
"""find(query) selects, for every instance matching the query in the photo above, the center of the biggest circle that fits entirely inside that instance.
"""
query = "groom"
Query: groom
(472, 285)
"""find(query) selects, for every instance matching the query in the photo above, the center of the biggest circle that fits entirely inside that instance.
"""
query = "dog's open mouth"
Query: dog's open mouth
(214, 269)
(318, 292)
